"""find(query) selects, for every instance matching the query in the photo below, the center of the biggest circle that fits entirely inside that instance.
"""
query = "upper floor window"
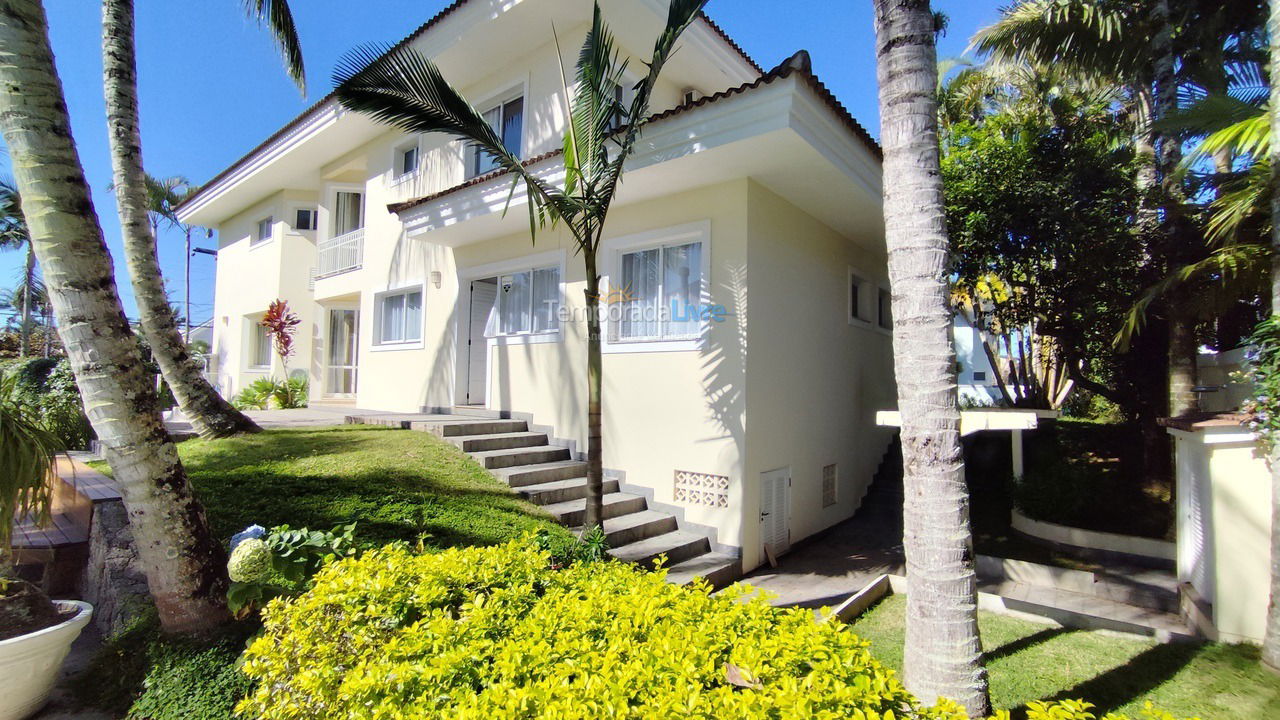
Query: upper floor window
(507, 120)
(407, 157)
(884, 311)
(305, 219)
(348, 212)
(529, 301)
(265, 231)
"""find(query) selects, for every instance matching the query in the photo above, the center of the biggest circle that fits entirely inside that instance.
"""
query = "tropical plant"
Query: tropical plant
(942, 654)
(183, 564)
(256, 395)
(401, 87)
(268, 564)
(14, 236)
(142, 203)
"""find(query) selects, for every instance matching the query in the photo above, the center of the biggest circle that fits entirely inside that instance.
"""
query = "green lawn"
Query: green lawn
(1030, 661)
(395, 484)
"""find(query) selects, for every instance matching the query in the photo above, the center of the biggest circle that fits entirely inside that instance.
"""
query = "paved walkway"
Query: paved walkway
(315, 416)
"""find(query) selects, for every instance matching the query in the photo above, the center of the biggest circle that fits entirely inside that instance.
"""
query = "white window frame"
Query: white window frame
(378, 344)
(883, 293)
(397, 154)
(294, 208)
(554, 258)
(518, 90)
(663, 237)
(331, 216)
(253, 327)
(256, 239)
(866, 300)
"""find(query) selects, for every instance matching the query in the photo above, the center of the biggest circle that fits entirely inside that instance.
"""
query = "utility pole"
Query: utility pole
(186, 290)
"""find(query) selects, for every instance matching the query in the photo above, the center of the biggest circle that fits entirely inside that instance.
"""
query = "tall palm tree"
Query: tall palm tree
(942, 655)
(210, 414)
(1271, 636)
(185, 567)
(403, 88)
(14, 236)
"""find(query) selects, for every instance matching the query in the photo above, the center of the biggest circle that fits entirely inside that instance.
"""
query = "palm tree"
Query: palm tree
(14, 235)
(400, 87)
(185, 567)
(210, 414)
(1271, 636)
(942, 655)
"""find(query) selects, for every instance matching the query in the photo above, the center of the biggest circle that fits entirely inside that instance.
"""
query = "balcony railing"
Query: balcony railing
(340, 254)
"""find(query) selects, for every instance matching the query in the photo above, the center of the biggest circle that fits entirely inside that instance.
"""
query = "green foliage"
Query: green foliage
(1262, 373)
(281, 563)
(256, 396)
(143, 674)
(494, 632)
(265, 393)
(47, 386)
(27, 455)
(290, 394)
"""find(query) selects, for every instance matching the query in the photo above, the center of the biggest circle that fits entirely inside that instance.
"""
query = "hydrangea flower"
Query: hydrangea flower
(250, 561)
(253, 531)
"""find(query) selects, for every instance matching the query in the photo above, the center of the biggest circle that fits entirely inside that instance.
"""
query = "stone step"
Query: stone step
(480, 412)
(678, 546)
(539, 473)
(573, 512)
(455, 428)
(1081, 610)
(636, 526)
(498, 441)
(558, 491)
(718, 569)
(512, 457)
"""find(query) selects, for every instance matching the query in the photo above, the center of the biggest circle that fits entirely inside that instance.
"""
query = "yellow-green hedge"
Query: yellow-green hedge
(494, 633)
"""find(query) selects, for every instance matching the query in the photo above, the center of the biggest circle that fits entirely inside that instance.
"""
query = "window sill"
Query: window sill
(258, 369)
(393, 346)
(651, 346)
(260, 243)
(524, 339)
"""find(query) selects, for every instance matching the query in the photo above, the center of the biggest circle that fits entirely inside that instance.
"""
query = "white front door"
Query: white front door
(775, 510)
(484, 293)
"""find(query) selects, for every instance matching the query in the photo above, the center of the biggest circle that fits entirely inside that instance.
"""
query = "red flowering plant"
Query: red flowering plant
(282, 323)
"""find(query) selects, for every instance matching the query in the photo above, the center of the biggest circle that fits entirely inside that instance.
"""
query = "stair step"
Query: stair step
(455, 428)
(512, 457)
(718, 569)
(476, 411)
(558, 491)
(678, 546)
(498, 441)
(539, 473)
(637, 526)
(573, 512)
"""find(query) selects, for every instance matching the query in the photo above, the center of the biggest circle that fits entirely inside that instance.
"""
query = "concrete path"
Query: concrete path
(318, 415)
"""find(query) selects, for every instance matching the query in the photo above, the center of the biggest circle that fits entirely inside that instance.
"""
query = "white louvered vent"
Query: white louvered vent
(311, 278)
(829, 485)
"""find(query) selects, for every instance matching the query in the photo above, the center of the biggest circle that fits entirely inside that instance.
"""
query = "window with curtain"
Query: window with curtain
(348, 212)
(661, 292)
(507, 120)
(261, 345)
(528, 302)
(400, 317)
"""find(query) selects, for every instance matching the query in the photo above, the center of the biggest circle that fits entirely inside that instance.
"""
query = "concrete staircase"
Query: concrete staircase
(548, 476)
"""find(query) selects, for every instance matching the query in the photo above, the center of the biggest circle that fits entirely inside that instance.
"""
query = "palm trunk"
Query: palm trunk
(28, 284)
(942, 655)
(595, 377)
(210, 414)
(183, 564)
(1271, 636)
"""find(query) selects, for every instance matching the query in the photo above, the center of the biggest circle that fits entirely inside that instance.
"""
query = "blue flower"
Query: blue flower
(253, 531)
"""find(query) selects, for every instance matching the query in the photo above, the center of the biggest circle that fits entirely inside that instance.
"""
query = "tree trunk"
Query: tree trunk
(942, 656)
(28, 280)
(595, 376)
(210, 414)
(1271, 636)
(185, 568)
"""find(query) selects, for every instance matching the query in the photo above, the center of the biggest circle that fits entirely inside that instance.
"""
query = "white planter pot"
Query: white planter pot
(29, 664)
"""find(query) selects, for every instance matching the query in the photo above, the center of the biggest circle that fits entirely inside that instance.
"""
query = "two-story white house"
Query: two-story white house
(751, 192)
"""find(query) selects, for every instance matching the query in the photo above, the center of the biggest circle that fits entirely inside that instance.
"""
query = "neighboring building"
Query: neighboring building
(752, 191)
(976, 377)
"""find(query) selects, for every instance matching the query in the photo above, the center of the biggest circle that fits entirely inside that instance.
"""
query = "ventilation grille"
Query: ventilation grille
(701, 489)
(828, 486)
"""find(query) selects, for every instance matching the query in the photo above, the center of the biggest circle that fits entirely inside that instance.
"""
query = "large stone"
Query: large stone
(113, 580)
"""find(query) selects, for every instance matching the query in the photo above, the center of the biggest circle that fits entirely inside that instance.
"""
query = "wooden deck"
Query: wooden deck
(79, 487)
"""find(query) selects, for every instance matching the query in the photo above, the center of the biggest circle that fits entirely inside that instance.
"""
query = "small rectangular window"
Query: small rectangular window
(507, 120)
(261, 346)
(829, 477)
(884, 309)
(979, 376)
(400, 317)
(858, 302)
(407, 160)
(305, 219)
(266, 229)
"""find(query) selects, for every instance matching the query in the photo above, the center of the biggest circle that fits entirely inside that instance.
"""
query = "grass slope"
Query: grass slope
(1029, 661)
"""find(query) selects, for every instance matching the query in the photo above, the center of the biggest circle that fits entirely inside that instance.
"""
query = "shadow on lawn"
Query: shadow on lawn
(1023, 643)
(1120, 685)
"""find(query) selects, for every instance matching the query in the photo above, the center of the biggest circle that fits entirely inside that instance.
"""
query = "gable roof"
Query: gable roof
(783, 71)
(419, 32)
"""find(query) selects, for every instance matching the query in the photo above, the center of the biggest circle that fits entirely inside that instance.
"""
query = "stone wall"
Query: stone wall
(113, 581)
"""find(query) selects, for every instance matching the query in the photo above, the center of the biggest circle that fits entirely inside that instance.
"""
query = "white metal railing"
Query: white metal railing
(342, 253)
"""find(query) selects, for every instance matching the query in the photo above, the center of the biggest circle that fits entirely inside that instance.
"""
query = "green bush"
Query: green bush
(265, 393)
(141, 673)
(49, 386)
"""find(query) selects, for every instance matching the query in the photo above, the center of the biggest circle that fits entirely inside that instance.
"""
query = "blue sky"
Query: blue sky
(212, 87)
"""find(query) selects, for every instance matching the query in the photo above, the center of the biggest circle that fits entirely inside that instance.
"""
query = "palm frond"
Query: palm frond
(1246, 198)
(1091, 37)
(13, 224)
(28, 455)
(278, 18)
